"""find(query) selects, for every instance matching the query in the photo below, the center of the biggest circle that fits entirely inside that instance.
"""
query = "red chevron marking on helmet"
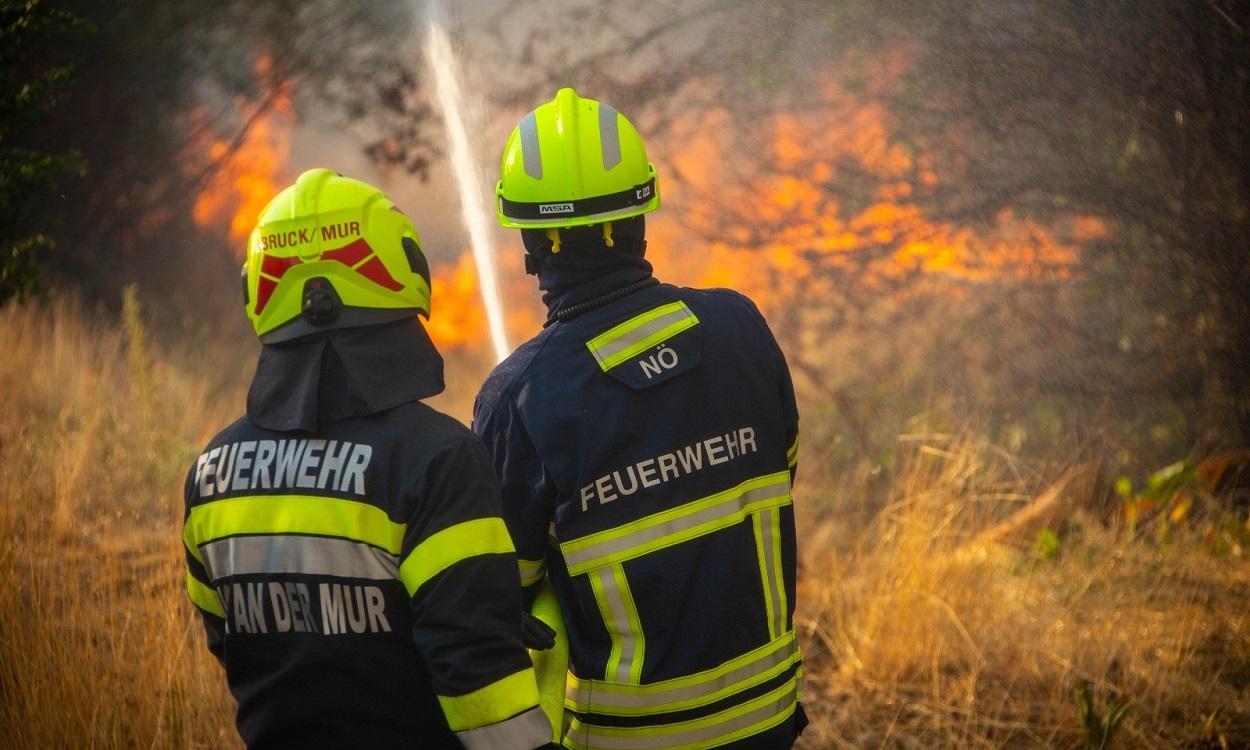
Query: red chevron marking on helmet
(374, 271)
(264, 289)
(275, 266)
(350, 254)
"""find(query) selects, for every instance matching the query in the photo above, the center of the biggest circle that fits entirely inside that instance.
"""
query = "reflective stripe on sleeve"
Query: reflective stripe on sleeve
(620, 615)
(523, 732)
(532, 571)
(792, 455)
(441, 550)
(498, 701)
(641, 332)
(308, 555)
(740, 673)
(291, 514)
(204, 596)
(675, 525)
(749, 718)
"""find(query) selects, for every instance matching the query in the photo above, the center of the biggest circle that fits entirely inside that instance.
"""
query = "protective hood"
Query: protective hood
(587, 272)
(353, 372)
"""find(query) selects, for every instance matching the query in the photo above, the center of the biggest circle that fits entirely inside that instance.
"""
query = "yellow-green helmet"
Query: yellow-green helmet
(574, 162)
(332, 252)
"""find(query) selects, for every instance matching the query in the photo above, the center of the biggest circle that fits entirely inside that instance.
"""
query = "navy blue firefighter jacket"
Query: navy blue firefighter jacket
(646, 443)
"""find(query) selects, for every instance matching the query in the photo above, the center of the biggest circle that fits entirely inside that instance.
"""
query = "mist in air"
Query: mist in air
(1003, 247)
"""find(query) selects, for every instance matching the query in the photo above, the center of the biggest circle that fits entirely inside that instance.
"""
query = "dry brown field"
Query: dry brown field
(926, 622)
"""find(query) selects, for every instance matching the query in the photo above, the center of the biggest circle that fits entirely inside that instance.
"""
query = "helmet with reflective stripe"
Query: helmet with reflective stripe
(331, 252)
(574, 162)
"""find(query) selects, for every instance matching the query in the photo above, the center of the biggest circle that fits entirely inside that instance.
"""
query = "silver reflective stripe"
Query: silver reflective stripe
(291, 553)
(616, 616)
(730, 507)
(632, 338)
(524, 731)
(529, 146)
(609, 136)
(736, 675)
(599, 217)
(752, 717)
(769, 528)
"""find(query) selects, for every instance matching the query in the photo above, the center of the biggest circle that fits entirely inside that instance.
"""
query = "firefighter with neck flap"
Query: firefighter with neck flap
(344, 541)
(646, 443)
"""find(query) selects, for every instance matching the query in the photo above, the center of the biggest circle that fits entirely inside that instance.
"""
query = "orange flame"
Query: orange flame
(458, 318)
(834, 196)
(246, 173)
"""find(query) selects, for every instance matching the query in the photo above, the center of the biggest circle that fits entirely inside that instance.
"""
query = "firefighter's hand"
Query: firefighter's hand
(536, 634)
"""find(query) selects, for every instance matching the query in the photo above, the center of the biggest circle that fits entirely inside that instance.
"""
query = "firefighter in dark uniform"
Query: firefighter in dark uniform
(646, 444)
(343, 540)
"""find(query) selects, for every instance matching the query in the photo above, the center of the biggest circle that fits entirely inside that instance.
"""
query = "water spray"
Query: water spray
(442, 62)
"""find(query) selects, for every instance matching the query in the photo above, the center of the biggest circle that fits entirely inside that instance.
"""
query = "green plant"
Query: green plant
(1169, 489)
(1098, 730)
(1047, 546)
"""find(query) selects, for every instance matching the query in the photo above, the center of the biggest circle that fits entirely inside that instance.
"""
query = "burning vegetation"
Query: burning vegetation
(1006, 249)
(245, 172)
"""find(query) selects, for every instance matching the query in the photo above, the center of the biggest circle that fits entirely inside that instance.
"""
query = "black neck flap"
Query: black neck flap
(353, 372)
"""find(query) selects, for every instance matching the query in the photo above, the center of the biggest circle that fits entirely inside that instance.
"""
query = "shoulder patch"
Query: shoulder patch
(650, 348)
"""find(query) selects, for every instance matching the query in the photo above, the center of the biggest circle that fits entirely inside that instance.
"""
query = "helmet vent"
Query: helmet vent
(416, 259)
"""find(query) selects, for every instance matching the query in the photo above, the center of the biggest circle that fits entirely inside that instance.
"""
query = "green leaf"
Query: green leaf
(1047, 546)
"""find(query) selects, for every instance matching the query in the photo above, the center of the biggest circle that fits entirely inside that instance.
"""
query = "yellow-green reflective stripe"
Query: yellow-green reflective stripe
(770, 523)
(740, 673)
(792, 454)
(744, 720)
(620, 615)
(675, 525)
(291, 514)
(605, 611)
(531, 571)
(204, 597)
(767, 585)
(641, 332)
(439, 551)
(497, 701)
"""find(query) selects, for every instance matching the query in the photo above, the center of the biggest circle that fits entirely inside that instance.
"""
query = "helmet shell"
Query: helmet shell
(574, 162)
(345, 232)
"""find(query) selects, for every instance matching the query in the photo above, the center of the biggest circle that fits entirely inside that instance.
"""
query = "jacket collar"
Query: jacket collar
(579, 275)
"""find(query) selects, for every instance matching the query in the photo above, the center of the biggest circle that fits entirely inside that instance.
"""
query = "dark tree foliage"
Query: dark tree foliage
(151, 82)
(1138, 112)
(29, 92)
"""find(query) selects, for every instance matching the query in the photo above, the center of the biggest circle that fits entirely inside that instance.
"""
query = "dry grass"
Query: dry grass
(98, 645)
(914, 638)
(921, 636)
